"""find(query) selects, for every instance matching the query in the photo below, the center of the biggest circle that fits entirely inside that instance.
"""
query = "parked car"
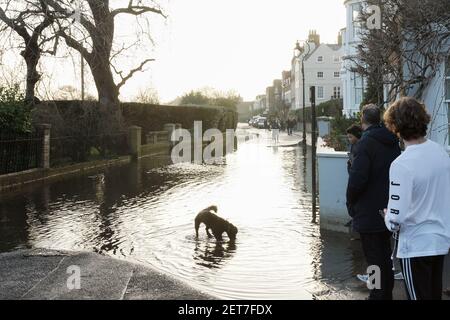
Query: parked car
(261, 123)
(254, 121)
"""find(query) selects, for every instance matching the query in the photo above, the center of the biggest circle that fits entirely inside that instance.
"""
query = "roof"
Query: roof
(334, 47)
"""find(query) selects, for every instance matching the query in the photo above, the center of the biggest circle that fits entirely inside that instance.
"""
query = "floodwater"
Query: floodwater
(145, 212)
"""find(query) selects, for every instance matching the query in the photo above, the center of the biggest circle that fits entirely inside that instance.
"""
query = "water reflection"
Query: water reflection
(145, 212)
(213, 254)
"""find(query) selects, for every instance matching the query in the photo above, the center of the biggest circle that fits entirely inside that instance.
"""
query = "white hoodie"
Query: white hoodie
(419, 201)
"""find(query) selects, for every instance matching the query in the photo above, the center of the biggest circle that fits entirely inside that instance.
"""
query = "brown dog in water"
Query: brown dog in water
(214, 223)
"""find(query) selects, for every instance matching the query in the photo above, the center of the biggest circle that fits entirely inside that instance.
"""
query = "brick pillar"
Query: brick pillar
(134, 136)
(45, 150)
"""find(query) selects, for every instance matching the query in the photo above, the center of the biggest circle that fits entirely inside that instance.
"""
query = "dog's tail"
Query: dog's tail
(211, 208)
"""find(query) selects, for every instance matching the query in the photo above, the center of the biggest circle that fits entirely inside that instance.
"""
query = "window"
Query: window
(448, 116)
(320, 94)
(337, 74)
(356, 11)
(358, 86)
(337, 92)
(320, 59)
(447, 95)
(447, 80)
(336, 59)
(320, 75)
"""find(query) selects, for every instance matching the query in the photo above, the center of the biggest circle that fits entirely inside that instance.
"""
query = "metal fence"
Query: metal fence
(20, 152)
(75, 149)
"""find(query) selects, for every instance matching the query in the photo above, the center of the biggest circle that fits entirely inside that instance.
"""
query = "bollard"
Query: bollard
(134, 138)
(44, 162)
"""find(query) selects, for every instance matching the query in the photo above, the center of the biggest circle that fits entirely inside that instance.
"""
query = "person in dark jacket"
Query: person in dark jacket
(354, 134)
(368, 193)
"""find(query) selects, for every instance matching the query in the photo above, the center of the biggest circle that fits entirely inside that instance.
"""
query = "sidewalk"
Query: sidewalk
(285, 140)
(41, 274)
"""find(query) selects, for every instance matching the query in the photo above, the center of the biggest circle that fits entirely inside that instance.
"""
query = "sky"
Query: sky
(237, 44)
(240, 45)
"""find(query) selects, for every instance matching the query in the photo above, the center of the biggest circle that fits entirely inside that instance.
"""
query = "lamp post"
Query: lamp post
(312, 94)
(301, 53)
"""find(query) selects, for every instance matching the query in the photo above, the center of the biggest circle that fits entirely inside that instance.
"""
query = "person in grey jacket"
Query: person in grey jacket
(419, 201)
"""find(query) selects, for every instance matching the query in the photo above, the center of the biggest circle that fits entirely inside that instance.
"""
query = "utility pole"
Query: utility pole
(302, 52)
(304, 101)
(312, 94)
(82, 77)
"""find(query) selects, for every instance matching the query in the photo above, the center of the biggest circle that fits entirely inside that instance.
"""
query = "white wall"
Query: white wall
(333, 178)
(434, 98)
(324, 127)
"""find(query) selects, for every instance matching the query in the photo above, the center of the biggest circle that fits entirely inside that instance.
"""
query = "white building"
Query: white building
(322, 70)
(353, 85)
(260, 103)
(436, 97)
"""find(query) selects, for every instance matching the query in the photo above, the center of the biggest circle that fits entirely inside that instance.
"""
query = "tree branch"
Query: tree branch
(131, 73)
(137, 10)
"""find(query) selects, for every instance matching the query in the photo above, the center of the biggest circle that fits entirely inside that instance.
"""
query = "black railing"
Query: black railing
(20, 152)
(75, 149)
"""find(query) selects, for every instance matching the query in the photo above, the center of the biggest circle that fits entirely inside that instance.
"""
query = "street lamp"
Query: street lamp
(301, 53)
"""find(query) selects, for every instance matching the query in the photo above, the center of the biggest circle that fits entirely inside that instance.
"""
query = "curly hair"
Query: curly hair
(408, 118)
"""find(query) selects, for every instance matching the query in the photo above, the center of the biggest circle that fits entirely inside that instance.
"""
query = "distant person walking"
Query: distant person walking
(354, 134)
(291, 125)
(419, 205)
(276, 131)
(368, 193)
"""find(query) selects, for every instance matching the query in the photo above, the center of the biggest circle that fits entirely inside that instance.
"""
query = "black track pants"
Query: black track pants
(423, 277)
(377, 250)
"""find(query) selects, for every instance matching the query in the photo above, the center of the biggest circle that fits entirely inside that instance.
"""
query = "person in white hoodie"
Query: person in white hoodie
(419, 201)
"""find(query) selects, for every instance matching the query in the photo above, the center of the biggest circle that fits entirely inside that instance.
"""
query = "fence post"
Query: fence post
(44, 162)
(135, 141)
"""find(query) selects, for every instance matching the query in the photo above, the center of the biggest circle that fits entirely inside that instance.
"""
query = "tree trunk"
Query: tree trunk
(108, 94)
(31, 56)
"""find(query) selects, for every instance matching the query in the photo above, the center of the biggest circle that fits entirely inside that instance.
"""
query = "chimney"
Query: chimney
(314, 37)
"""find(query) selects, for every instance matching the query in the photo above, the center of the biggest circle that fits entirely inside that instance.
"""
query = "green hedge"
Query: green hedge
(14, 114)
(331, 108)
(153, 117)
(69, 117)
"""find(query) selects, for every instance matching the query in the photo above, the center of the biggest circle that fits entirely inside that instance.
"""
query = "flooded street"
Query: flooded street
(145, 212)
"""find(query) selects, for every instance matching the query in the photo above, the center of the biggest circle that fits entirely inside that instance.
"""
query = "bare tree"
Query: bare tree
(148, 96)
(89, 29)
(406, 53)
(31, 21)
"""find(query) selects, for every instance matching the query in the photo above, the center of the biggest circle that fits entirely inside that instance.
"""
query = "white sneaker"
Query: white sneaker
(399, 276)
(363, 277)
